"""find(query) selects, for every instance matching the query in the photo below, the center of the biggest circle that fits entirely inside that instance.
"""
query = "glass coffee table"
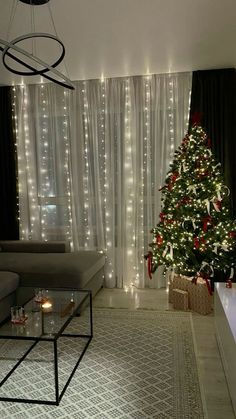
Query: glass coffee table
(60, 315)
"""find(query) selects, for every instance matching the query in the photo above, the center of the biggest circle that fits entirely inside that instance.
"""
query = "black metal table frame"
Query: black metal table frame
(58, 396)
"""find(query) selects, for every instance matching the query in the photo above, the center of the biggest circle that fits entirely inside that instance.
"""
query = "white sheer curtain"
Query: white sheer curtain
(91, 163)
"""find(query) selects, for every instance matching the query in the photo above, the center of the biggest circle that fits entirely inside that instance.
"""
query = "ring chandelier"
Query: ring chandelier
(62, 80)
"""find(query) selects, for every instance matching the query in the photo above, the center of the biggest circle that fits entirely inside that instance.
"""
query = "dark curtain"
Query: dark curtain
(8, 181)
(214, 96)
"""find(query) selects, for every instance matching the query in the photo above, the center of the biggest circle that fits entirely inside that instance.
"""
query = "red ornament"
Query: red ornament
(187, 200)
(173, 178)
(196, 242)
(183, 201)
(218, 204)
(148, 258)
(232, 234)
(228, 283)
(159, 240)
(162, 217)
(206, 221)
(150, 264)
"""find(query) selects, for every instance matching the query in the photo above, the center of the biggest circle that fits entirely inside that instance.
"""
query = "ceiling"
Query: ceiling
(113, 38)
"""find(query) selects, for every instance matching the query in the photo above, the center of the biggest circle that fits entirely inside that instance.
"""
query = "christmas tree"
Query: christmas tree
(195, 235)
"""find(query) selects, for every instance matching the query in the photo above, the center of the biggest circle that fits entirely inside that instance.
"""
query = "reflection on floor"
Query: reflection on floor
(211, 373)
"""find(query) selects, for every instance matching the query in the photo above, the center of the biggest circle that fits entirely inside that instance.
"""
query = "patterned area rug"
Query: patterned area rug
(139, 365)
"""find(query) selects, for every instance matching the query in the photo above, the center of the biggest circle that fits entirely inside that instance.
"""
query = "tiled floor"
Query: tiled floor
(212, 378)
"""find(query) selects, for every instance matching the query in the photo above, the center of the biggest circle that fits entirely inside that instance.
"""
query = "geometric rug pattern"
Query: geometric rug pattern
(139, 365)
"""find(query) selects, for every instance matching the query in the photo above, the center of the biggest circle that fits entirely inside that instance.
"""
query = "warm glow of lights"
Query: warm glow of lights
(100, 195)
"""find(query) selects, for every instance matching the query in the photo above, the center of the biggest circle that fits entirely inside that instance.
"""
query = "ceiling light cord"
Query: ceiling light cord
(52, 20)
(54, 27)
(33, 28)
(12, 16)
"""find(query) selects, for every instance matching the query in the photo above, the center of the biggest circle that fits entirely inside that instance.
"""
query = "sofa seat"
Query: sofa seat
(47, 265)
(60, 270)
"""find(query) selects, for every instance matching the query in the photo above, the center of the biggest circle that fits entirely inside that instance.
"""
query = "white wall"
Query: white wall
(128, 37)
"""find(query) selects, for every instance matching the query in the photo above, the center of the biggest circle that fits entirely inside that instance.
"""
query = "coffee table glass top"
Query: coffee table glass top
(47, 318)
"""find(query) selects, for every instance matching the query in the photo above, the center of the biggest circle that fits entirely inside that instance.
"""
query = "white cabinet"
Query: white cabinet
(225, 325)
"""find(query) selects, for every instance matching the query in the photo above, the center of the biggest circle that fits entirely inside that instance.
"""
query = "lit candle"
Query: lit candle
(47, 307)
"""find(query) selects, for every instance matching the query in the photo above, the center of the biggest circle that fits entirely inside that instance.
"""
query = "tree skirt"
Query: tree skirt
(140, 364)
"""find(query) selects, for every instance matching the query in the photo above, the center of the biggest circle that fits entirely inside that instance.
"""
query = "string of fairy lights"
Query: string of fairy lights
(171, 118)
(129, 268)
(39, 199)
(147, 160)
(67, 166)
(44, 178)
(87, 221)
(16, 131)
(28, 213)
(105, 185)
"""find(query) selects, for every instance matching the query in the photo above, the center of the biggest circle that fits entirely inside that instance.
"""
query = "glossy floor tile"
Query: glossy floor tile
(211, 373)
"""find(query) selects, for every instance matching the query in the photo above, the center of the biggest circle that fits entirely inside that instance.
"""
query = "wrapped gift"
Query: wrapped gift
(200, 299)
(180, 299)
(179, 282)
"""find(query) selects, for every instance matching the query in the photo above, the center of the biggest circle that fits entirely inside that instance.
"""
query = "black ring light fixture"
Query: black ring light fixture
(63, 80)
(35, 2)
(31, 36)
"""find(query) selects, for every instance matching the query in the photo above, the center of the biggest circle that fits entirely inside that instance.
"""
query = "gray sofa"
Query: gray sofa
(36, 264)
(9, 282)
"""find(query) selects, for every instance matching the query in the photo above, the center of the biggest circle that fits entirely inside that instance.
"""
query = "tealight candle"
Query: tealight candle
(47, 307)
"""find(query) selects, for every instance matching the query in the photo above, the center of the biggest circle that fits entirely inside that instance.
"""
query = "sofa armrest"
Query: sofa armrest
(34, 246)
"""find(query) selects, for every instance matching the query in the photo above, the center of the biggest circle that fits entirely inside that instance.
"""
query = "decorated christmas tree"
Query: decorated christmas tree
(195, 235)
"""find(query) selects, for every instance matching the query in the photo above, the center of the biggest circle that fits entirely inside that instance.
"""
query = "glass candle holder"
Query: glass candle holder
(18, 315)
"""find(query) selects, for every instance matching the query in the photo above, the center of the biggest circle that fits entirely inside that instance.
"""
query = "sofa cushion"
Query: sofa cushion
(65, 270)
(9, 281)
(34, 246)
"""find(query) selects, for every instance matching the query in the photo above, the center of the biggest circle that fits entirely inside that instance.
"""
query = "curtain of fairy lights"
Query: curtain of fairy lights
(91, 162)
(43, 150)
